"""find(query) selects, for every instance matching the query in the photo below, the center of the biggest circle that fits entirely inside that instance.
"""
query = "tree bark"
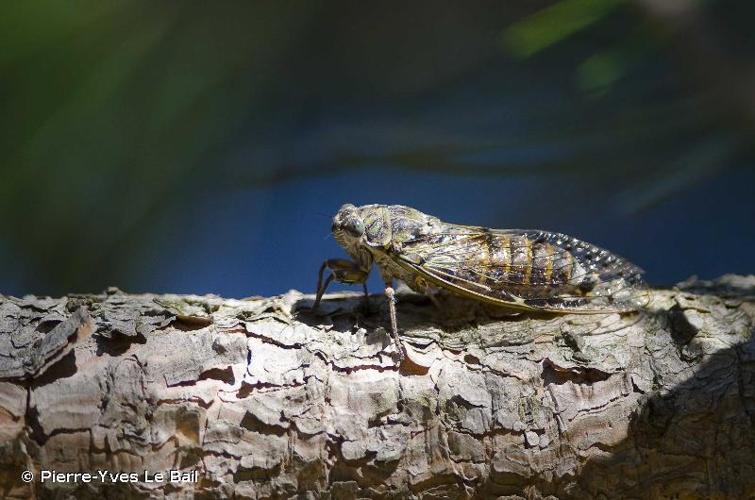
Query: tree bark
(261, 398)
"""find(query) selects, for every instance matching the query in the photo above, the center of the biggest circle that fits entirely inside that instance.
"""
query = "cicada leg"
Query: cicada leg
(390, 294)
(342, 271)
(350, 272)
(429, 291)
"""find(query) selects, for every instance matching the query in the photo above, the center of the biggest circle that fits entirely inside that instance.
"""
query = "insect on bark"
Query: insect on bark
(519, 269)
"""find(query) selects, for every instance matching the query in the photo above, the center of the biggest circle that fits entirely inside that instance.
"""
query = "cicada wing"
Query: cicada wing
(526, 269)
(588, 277)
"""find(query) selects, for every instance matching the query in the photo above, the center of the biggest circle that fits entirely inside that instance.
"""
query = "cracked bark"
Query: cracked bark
(265, 399)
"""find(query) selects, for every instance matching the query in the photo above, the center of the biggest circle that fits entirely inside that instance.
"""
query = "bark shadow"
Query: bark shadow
(414, 311)
(695, 440)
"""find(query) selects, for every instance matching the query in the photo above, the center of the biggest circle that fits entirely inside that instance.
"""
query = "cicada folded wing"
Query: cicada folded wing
(526, 269)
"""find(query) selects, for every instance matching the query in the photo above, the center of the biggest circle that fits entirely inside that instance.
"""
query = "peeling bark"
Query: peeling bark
(264, 399)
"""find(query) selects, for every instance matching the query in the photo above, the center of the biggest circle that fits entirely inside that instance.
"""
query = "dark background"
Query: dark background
(202, 147)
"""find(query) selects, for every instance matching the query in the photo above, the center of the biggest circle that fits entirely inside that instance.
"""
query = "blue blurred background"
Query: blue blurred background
(199, 147)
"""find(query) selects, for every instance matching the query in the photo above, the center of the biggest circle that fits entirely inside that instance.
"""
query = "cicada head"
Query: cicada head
(349, 230)
(348, 225)
(368, 226)
(358, 229)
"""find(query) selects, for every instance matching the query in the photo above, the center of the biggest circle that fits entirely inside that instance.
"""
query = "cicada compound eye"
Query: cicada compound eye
(354, 226)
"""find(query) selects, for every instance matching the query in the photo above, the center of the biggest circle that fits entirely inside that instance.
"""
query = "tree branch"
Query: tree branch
(262, 398)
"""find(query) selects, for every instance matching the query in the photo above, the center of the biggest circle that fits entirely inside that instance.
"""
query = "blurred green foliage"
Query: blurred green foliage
(553, 24)
(108, 108)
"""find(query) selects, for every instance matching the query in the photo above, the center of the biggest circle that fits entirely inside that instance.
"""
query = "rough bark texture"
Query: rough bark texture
(264, 399)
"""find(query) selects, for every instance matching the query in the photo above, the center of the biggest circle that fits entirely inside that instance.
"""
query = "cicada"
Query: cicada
(519, 269)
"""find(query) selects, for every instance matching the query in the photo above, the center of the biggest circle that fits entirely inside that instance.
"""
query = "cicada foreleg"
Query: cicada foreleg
(342, 271)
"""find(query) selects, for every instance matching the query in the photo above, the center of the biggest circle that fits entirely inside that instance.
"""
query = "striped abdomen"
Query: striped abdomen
(519, 264)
